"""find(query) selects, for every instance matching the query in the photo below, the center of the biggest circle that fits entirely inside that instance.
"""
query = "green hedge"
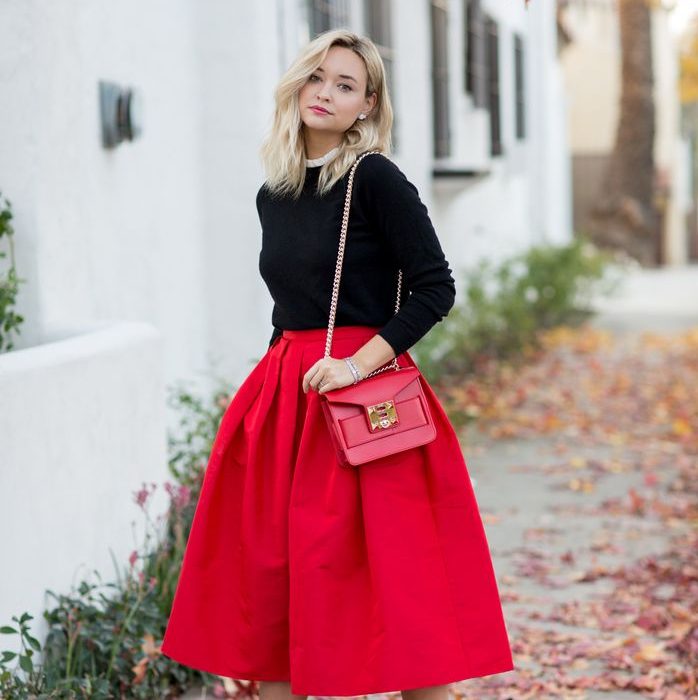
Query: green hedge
(10, 320)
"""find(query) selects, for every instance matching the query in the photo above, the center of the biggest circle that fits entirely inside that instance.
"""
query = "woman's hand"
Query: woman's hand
(326, 374)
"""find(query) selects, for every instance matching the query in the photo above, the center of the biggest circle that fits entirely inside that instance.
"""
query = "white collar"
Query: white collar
(313, 162)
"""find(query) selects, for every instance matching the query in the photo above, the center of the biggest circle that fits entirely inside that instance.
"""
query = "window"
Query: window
(475, 78)
(378, 28)
(327, 14)
(492, 34)
(439, 61)
(520, 98)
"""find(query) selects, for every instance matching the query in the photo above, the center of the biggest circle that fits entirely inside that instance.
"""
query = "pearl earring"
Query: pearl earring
(362, 116)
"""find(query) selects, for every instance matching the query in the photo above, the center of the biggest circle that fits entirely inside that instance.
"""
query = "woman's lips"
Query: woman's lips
(319, 111)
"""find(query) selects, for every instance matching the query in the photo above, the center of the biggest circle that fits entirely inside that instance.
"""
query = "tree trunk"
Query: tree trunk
(625, 215)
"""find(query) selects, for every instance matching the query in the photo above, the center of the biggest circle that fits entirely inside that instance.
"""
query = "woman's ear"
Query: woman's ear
(371, 103)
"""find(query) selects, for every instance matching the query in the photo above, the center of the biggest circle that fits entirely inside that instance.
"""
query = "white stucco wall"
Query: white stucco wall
(111, 234)
(103, 238)
(82, 425)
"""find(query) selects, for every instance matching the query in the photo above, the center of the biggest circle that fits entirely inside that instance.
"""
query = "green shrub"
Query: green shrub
(504, 307)
(10, 320)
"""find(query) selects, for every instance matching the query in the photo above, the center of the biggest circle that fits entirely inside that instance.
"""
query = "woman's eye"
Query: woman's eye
(342, 85)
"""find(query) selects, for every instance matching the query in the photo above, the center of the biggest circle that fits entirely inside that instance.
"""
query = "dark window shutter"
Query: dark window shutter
(520, 96)
(378, 20)
(492, 33)
(439, 63)
(327, 14)
(475, 53)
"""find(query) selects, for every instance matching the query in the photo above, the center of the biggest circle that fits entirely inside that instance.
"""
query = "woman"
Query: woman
(308, 576)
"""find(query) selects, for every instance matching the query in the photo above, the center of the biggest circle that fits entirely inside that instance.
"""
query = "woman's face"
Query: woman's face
(338, 86)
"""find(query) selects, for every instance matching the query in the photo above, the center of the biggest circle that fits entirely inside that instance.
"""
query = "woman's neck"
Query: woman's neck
(316, 148)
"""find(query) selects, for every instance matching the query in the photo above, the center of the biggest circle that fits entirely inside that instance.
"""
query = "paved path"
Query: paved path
(548, 505)
(664, 299)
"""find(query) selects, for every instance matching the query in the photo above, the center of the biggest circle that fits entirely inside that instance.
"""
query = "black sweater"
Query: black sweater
(389, 229)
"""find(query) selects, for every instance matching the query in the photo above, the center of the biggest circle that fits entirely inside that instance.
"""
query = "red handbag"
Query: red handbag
(386, 412)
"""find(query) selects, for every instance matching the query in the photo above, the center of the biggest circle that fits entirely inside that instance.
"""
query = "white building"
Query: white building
(141, 260)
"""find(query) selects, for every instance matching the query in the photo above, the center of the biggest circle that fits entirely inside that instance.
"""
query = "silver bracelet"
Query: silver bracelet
(354, 369)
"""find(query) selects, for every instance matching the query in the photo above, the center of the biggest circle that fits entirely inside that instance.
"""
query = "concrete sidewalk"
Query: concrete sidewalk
(535, 531)
(664, 299)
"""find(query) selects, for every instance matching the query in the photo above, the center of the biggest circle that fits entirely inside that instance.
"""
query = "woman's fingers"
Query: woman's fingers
(309, 375)
(326, 374)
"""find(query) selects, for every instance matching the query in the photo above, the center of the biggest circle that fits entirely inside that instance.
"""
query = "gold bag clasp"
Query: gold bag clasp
(382, 415)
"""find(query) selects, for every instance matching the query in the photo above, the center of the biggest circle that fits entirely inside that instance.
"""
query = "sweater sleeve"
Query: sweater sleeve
(393, 206)
(275, 334)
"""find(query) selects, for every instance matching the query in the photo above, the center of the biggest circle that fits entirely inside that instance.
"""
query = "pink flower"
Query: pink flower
(142, 495)
(180, 495)
(183, 497)
(133, 558)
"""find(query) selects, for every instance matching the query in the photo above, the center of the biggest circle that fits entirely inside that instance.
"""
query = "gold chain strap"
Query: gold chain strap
(338, 271)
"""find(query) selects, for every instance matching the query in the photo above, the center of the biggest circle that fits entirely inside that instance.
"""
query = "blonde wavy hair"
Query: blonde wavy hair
(283, 150)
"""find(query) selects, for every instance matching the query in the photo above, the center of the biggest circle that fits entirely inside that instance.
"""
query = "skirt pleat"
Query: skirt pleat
(343, 581)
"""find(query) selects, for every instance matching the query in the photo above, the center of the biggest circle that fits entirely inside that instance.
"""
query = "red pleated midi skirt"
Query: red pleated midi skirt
(341, 580)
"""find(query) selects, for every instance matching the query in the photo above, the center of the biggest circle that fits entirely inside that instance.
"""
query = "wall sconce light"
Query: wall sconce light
(121, 113)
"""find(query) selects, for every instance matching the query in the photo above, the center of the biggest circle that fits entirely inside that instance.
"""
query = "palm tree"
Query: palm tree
(626, 215)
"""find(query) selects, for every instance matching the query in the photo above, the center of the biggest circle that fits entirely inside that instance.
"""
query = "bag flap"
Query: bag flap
(367, 391)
